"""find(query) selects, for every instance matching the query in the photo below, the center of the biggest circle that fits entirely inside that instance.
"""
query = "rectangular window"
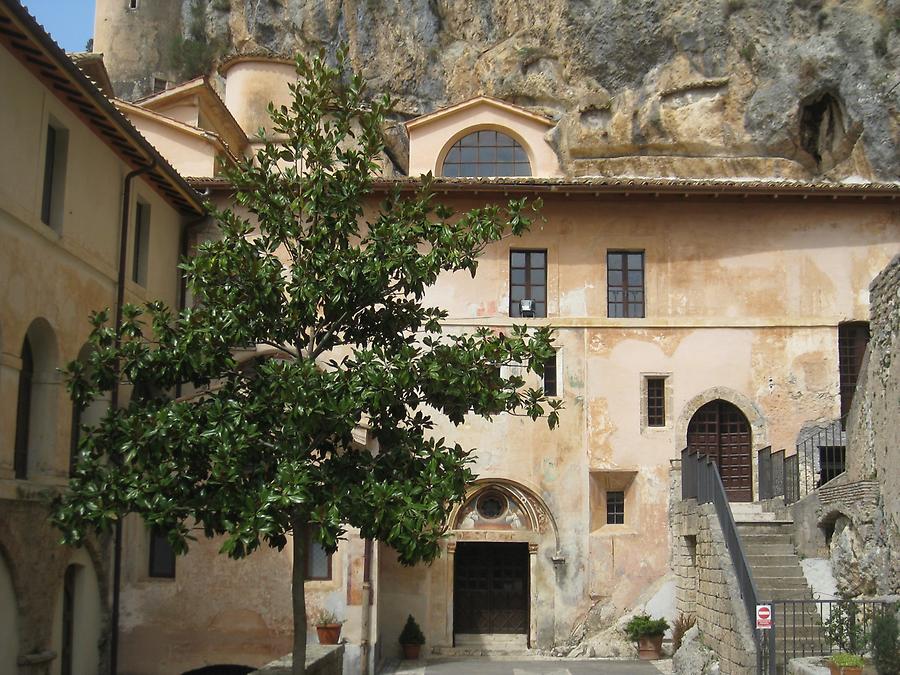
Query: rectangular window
(318, 560)
(54, 176)
(141, 243)
(528, 281)
(625, 284)
(656, 401)
(550, 377)
(132, 4)
(159, 85)
(852, 340)
(162, 557)
(615, 507)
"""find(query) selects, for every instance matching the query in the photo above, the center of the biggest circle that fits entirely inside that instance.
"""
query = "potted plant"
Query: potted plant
(846, 664)
(328, 627)
(648, 633)
(846, 631)
(411, 639)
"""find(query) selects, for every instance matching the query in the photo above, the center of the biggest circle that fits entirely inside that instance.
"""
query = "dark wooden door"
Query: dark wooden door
(720, 431)
(490, 591)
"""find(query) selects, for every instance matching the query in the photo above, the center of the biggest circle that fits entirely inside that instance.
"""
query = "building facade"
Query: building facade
(65, 171)
(689, 312)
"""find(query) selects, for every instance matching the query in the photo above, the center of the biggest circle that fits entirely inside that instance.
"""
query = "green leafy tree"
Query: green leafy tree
(329, 285)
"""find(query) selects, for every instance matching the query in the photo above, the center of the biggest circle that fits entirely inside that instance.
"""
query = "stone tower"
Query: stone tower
(135, 37)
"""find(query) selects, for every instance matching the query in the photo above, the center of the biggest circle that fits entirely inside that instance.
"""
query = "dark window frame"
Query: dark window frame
(615, 507)
(486, 153)
(656, 401)
(528, 287)
(53, 189)
(23, 412)
(631, 308)
(159, 546)
(551, 376)
(140, 258)
(853, 336)
(310, 542)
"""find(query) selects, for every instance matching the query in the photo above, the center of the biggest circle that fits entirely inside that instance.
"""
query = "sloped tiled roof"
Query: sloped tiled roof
(27, 40)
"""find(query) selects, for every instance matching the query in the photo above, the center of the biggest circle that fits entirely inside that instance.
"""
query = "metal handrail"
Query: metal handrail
(700, 480)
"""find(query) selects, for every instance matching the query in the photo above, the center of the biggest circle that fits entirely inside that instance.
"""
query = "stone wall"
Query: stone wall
(320, 660)
(855, 519)
(707, 588)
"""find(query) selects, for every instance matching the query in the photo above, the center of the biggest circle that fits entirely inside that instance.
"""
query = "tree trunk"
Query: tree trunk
(298, 594)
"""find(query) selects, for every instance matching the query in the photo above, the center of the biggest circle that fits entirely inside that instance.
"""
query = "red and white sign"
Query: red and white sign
(763, 617)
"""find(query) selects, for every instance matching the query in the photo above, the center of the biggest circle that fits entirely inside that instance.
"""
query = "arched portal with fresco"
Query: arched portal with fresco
(503, 548)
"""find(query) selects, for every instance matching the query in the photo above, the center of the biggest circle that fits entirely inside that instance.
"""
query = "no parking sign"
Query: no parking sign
(763, 617)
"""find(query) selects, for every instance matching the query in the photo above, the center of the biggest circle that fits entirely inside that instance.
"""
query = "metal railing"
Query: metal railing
(700, 480)
(820, 457)
(800, 628)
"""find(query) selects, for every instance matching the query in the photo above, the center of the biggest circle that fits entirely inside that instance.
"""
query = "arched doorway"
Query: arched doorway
(721, 431)
(502, 589)
(9, 621)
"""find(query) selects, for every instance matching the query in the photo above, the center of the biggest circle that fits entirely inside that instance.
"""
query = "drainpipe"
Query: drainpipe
(114, 403)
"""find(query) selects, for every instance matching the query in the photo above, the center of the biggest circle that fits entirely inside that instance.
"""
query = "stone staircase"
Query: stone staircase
(768, 543)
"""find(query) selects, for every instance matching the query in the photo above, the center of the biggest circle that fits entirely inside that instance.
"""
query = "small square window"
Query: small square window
(615, 507)
(162, 557)
(159, 85)
(132, 4)
(528, 283)
(550, 376)
(625, 284)
(318, 560)
(656, 401)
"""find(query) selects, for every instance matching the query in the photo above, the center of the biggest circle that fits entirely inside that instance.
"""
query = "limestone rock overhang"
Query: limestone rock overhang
(27, 40)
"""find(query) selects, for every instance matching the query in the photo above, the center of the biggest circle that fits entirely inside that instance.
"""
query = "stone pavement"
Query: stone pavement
(486, 666)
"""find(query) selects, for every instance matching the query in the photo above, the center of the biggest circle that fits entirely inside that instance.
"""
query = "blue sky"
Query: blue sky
(70, 22)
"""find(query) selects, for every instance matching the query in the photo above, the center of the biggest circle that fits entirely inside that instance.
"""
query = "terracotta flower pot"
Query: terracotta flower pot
(844, 670)
(411, 652)
(329, 634)
(650, 647)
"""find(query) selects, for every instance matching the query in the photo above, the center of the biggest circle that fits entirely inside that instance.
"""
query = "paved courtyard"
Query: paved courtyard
(482, 666)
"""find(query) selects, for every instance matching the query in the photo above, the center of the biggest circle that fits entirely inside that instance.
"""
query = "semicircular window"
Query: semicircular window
(486, 153)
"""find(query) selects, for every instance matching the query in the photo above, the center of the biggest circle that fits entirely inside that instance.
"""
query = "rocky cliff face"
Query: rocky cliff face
(780, 88)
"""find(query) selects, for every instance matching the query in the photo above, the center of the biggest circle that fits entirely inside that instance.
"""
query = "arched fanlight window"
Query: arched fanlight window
(486, 153)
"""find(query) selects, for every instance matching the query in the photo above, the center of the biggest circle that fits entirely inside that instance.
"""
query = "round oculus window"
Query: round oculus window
(491, 505)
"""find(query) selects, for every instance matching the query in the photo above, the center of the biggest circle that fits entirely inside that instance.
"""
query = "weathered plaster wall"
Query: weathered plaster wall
(222, 611)
(743, 303)
(52, 280)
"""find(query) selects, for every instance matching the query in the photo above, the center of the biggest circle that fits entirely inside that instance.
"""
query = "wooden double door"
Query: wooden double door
(721, 431)
(491, 588)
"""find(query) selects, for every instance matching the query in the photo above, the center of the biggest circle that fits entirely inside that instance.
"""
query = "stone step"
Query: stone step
(764, 583)
(773, 526)
(492, 641)
(767, 549)
(748, 541)
(778, 572)
(784, 594)
(762, 561)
